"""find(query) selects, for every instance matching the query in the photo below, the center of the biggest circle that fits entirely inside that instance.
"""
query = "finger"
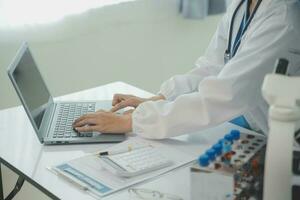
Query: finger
(88, 121)
(124, 104)
(114, 109)
(84, 117)
(79, 119)
(119, 106)
(120, 97)
(86, 128)
(128, 112)
(117, 99)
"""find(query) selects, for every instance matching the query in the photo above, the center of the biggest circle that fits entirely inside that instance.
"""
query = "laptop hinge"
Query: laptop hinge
(47, 121)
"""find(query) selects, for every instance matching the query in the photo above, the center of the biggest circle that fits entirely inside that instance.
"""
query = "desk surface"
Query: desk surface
(20, 147)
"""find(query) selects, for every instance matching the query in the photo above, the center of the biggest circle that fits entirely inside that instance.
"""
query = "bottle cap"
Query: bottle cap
(211, 154)
(221, 141)
(228, 137)
(203, 160)
(236, 134)
(218, 148)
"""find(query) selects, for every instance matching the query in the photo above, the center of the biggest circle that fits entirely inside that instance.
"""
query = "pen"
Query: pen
(73, 181)
(122, 150)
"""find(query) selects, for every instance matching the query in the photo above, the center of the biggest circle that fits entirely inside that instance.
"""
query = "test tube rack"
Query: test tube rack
(233, 168)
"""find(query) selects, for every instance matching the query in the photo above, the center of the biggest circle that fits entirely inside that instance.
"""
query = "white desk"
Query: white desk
(20, 147)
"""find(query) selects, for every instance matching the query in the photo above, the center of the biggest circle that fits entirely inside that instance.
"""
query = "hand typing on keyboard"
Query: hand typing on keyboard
(67, 113)
(103, 122)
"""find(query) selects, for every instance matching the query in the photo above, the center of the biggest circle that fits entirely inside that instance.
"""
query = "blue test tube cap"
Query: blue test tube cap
(211, 154)
(221, 142)
(203, 160)
(228, 137)
(218, 149)
(236, 134)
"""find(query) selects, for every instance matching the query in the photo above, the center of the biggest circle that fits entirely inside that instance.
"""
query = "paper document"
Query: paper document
(89, 173)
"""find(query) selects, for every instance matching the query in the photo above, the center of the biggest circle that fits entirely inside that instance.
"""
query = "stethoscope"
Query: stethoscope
(230, 52)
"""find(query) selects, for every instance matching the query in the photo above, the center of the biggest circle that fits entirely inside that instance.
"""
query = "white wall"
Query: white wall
(141, 43)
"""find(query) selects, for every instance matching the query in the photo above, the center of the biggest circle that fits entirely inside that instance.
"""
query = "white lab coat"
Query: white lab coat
(214, 92)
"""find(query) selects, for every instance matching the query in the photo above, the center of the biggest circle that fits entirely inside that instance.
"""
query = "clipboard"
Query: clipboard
(88, 174)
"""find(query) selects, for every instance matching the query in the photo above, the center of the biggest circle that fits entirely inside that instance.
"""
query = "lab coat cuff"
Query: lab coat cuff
(167, 90)
(141, 125)
(136, 116)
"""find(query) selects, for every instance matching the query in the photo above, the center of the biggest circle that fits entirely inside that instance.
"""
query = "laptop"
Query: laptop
(52, 121)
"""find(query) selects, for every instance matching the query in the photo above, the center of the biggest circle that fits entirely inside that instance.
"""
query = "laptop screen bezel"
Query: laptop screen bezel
(40, 132)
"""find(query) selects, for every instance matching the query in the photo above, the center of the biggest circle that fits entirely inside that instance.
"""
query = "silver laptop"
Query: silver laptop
(52, 121)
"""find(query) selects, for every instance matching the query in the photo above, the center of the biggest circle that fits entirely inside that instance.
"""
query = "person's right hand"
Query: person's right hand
(124, 100)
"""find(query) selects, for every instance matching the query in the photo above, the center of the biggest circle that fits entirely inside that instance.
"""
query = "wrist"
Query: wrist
(127, 122)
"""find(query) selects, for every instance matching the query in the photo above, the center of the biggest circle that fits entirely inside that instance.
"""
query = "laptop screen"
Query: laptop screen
(31, 87)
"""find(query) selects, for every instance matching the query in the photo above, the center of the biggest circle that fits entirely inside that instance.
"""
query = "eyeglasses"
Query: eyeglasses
(145, 194)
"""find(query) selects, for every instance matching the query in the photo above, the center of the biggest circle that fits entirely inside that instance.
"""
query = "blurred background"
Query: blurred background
(80, 44)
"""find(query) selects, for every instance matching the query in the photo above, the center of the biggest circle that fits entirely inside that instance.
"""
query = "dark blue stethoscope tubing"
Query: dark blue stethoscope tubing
(231, 26)
(228, 51)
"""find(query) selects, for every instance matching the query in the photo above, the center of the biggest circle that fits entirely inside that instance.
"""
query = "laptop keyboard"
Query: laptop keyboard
(68, 112)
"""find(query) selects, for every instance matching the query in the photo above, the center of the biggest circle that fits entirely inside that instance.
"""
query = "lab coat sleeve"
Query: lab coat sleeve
(209, 64)
(221, 97)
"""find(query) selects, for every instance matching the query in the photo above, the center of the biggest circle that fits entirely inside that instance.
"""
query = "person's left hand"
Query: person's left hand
(104, 122)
